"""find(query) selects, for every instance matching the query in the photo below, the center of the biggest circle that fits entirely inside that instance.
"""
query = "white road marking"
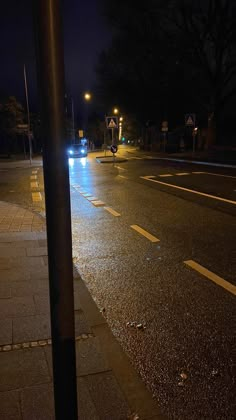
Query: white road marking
(191, 191)
(225, 176)
(122, 176)
(34, 172)
(98, 203)
(87, 195)
(122, 169)
(182, 173)
(212, 276)
(211, 173)
(165, 175)
(113, 212)
(150, 176)
(36, 196)
(145, 233)
(33, 177)
(34, 184)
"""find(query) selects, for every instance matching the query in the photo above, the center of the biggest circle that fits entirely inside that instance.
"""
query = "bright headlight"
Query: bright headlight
(71, 152)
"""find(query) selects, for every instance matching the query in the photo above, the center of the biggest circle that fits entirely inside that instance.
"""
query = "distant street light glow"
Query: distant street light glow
(87, 96)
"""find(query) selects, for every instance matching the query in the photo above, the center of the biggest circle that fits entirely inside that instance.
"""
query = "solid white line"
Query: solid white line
(145, 233)
(113, 212)
(212, 276)
(191, 191)
(165, 175)
(225, 176)
(182, 173)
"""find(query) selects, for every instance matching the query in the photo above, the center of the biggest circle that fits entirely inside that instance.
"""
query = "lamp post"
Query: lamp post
(87, 98)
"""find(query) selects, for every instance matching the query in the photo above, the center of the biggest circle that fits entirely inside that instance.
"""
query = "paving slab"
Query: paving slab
(13, 275)
(23, 368)
(5, 290)
(29, 288)
(10, 405)
(86, 407)
(36, 252)
(17, 306)
(12, 251)
(5, 331)
(31, 328)
(38, 402)
(107, 396)
(42, 305)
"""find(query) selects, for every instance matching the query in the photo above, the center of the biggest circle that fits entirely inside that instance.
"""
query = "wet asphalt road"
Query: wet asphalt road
(186, 352)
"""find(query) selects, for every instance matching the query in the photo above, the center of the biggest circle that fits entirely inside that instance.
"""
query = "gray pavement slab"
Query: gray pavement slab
(86, 407)
(29, 288)
(5, 290)
(23, 368)
(17, 306)
(81, 324)
(42, 305)
(27, 262)
(5, 331)
(31, 328)
(9, 275)
(107, 396)
(37, 402)
(10, 405)
(36, 252)
(12, 251)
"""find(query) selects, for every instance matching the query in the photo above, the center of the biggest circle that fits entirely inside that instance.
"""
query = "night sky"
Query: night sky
(85, 35)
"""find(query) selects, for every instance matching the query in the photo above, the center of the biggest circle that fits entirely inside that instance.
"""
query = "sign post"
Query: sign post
(164, 129)
(190, 121)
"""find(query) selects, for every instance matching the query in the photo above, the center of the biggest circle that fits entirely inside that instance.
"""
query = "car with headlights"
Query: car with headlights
(77, 150)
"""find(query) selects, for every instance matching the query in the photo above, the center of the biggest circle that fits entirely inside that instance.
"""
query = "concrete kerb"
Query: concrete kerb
(110, 159)
(197, 162)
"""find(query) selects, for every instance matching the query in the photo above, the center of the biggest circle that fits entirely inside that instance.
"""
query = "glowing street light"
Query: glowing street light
(116, 111)
(87, 96)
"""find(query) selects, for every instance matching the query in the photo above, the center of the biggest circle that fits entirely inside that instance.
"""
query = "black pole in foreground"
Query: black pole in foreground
(50, 68)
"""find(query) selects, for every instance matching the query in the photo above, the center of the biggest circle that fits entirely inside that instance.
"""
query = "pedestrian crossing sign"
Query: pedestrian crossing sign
(190, 119)
(112, 122)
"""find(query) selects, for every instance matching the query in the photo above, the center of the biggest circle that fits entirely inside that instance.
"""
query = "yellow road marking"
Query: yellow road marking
(182, 173)
(212, 276)
(34, 172)
(98, 203)
(33, 177)
(145, 233)
(36, 196)
(113, 212)
(34, 184)
(191, 191)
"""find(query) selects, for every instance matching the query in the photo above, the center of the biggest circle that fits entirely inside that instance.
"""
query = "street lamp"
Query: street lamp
(87, 96)
(116, 111)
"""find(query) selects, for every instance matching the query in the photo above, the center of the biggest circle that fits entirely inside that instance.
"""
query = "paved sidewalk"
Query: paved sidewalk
(108, 386)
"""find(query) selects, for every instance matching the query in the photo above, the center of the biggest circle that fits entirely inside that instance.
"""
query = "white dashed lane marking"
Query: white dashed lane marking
(112, 211)
(165, 175)
(188, 190)
(212, 276)
(145, 233)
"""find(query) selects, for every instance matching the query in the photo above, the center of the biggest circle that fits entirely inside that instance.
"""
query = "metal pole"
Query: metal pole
(50, 69)
(28, 115)
(73, 118)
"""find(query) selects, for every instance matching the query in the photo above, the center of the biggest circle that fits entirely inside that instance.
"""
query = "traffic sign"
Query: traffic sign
(190, 119)
(113, 148)
(112, 122)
